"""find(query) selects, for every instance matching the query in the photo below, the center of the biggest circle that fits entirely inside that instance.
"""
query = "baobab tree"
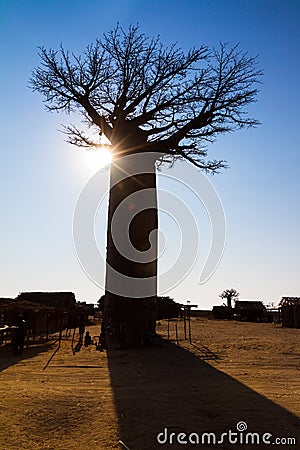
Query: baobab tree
(155, 104)
(230, 294)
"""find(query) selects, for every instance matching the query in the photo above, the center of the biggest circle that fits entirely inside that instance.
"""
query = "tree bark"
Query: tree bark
(131, 265)
(229, 303)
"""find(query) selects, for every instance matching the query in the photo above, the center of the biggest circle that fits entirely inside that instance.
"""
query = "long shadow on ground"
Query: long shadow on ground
(7, 358)
(169, 387)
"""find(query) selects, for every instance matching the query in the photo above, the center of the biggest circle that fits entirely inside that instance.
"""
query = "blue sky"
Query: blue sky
(42, 176)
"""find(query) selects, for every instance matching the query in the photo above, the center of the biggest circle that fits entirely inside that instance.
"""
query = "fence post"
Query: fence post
(189, 319)
(184, 321)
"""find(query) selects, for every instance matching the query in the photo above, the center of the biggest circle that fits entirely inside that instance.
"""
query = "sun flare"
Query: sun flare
(98, 158)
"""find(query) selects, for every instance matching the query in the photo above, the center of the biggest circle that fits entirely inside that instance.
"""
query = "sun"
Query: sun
(98, 158)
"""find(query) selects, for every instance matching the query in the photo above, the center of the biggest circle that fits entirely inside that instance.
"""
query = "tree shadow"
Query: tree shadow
(169, 387)
(7, 358)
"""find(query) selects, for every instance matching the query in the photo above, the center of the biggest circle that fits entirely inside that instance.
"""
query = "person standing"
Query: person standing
(81, 326)
(19, 336)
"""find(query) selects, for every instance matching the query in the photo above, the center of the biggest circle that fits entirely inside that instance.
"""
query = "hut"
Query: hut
(167, 308)
(250, 311)
(290, 311)
(69, 311)
(221, 312)
(44, 312)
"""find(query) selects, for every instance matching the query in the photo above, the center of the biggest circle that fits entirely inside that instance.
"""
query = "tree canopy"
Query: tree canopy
(230, 293)
(145, 96)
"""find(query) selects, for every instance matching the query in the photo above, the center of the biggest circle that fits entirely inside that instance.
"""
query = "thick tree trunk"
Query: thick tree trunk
(229, 303)
(131, 268)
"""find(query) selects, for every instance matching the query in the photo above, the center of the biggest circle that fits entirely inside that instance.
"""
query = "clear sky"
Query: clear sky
(42, 176)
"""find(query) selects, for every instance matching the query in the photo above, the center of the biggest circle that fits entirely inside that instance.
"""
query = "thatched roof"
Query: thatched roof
(54, 299)
(289, 301)
(249, 304)
(14, 303)
(42, 301)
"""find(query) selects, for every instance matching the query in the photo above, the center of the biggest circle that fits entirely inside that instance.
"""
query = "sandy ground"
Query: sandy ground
(232, 372)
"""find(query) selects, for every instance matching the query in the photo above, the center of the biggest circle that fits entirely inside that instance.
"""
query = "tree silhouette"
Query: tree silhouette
(229, 294)
(146, 97)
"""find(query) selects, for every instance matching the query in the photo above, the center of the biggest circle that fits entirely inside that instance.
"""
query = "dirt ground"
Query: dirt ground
(232, 373)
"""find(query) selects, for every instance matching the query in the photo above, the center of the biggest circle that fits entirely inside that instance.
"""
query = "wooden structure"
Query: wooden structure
(221, 312)
(6, 333)
(187, 320)
(290, 312)
(250, 311)
(244, 310)
(45, 313)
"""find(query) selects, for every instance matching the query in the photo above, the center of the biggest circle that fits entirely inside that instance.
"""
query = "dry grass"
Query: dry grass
(87, 401)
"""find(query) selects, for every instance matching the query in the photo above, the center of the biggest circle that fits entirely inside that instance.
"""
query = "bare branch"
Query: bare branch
(78, 138)
(143, 95)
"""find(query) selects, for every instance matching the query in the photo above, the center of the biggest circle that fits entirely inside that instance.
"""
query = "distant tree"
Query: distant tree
(230, 294)
(146, 97)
